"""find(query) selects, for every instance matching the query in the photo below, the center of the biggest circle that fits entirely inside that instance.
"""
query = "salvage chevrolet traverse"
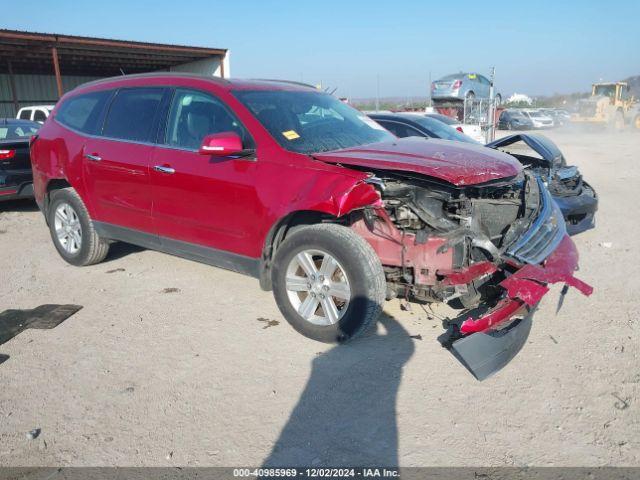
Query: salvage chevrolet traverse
(326, 208)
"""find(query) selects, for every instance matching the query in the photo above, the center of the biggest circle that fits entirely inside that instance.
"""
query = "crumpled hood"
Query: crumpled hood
(454, 162)
(540, 144)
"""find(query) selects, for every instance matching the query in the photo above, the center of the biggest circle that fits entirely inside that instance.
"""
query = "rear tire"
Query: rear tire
(72, 230)
(298, 283)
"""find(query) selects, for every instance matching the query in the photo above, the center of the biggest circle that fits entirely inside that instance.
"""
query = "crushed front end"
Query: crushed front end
(489, 249)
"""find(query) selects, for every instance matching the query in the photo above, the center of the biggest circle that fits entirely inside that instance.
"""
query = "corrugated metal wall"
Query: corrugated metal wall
(34, 90)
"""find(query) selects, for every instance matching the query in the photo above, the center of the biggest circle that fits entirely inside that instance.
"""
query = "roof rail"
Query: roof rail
(291, 82)
(219, 80)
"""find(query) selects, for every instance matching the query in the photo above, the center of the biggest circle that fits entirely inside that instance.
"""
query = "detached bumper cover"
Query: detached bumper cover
(483, 354)
(493, 339)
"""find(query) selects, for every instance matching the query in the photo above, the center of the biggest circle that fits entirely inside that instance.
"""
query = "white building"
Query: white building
(520, 98)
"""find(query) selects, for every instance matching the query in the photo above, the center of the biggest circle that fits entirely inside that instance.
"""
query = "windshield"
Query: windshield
(311, 122)
(516, 114)
(442, 130)
(606, 90)
(15, 132)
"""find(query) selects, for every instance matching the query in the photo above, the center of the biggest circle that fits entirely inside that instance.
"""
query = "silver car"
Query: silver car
(459, 86)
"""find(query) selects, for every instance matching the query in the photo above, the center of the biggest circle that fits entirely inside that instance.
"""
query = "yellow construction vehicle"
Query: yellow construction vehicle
(610, 104)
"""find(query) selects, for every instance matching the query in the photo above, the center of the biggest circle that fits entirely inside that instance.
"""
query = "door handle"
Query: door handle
(161, 169)
(93, 158)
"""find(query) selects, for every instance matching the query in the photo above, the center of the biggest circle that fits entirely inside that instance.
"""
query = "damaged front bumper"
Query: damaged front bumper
(487, 343)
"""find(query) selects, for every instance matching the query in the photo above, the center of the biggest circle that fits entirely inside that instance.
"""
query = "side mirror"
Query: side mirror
(225, 144)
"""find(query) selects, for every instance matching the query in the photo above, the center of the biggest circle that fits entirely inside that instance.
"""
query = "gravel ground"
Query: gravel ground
(171, 362)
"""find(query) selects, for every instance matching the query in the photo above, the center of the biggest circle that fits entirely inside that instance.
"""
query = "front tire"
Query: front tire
(617, 123)
(72, 230)
(328, 283)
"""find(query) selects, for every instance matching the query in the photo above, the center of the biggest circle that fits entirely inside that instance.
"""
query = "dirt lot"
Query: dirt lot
(209, 373)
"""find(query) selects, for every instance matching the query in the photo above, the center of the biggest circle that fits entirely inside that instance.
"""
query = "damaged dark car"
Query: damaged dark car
(577, 199)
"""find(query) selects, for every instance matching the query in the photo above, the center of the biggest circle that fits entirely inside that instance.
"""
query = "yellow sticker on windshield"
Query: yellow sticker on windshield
(472, 76)
(290, 135)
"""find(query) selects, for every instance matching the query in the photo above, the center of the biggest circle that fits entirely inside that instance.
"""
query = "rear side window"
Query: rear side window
(39, 116)
(400, 130)
(83, 112)
(132, 113)
(25, 114)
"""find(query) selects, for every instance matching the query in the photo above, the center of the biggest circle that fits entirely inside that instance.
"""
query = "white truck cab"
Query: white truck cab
(36, 113)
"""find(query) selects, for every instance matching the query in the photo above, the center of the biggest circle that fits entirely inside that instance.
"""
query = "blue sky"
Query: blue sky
(537, 47)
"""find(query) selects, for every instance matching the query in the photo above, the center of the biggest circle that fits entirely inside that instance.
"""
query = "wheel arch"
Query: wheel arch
(52, 185)
(278, 232)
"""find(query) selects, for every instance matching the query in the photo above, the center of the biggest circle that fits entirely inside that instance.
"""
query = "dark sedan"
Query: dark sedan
(16, 179)
(514, 120)
(575, 197)
(419, 125)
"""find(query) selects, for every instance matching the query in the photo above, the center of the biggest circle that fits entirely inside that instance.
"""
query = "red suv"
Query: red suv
(288, 184)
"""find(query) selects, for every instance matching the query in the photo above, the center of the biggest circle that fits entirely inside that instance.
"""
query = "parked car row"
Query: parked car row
(532, 118)
(319, 202)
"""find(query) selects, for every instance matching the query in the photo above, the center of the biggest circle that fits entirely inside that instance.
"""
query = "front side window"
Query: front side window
(400, 130)
(311, 122)
(83, 112)
(132, 113)
(194, 115)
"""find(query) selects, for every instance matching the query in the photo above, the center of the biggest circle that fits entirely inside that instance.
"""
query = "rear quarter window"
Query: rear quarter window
(83, 112)
(25, 114)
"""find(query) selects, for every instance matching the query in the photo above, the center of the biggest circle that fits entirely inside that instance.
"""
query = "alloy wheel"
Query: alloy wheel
(318, 287)
(68, 228)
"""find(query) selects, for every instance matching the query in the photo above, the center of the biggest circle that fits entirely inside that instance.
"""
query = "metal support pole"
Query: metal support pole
(491, 134)
(12, 85)
(56, 68)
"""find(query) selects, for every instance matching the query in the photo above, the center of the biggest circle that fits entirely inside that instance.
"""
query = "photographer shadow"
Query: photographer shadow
(346, 415)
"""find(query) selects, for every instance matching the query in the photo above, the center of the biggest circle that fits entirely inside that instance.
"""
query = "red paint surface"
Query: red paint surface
(394, 248)
(467, 275)
(453, 162)
(505, 310)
